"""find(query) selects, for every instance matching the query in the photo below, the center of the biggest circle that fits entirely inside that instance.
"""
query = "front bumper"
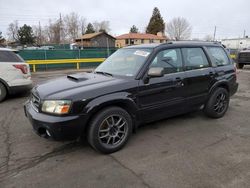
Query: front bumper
(59, 127)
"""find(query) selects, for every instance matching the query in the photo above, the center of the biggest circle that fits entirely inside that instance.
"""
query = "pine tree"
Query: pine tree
(90, 29)
(133, 29)
(156, 23)
(25, 35)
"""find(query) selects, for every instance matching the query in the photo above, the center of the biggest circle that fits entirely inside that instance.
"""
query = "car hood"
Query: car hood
(68, 87)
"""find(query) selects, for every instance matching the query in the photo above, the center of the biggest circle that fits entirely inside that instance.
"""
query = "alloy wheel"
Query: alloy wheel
(113, 130)
(220, 103)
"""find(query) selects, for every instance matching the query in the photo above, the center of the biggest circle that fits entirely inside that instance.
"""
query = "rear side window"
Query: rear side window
(9, 56)
(219, 56)
(194, 58)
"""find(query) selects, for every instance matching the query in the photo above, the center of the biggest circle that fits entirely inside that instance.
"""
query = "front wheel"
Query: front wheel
(217, 104)
(109, 130)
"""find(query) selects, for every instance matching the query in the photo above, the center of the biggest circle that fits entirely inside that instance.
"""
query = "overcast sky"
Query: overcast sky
(230, 17)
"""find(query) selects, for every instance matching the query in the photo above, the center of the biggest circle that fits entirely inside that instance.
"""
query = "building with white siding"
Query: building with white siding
(236, 43)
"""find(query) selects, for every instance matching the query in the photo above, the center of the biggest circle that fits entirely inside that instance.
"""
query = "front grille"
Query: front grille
(35, 101)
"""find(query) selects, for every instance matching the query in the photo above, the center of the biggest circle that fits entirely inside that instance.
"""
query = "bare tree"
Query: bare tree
(13, 31)
(40, 34)
(101, 26)
(83, 25)
(179, 29)
(72, 25)
(53, 31)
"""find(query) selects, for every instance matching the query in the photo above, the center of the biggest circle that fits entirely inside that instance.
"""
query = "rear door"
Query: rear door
(164, 96)
(199, 75)
(222, 64)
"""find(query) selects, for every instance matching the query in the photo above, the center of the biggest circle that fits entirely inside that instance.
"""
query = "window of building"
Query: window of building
(126, 41)
(142, 41)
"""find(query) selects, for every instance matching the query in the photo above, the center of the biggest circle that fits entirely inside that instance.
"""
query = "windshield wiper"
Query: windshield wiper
(167, 61)
(104, 73)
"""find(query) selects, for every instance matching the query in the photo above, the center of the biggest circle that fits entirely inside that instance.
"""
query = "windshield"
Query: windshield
(124, 62)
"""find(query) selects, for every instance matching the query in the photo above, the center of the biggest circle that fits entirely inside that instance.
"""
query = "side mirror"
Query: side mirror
(156, 72)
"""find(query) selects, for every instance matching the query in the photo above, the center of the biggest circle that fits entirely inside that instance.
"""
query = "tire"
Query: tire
(3, 92)
(217, 104)
(109, 130)
(240, 66)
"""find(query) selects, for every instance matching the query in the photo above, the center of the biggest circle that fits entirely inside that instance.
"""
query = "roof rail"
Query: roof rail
(169, 42)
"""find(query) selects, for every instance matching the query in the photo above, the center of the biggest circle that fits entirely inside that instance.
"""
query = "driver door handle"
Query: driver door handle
(179, 82)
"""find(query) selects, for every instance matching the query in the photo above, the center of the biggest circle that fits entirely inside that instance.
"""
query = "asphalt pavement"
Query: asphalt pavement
(188, 151)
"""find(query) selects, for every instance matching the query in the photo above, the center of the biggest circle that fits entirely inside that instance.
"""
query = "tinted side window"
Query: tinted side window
(169, 59)
(194, 58)
(219, 56)
(8, 56)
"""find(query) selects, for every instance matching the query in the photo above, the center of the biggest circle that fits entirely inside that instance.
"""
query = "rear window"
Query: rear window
(219, 56)
(9, 56)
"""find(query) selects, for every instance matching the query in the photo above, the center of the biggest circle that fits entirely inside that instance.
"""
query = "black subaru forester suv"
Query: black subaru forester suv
(135, 85)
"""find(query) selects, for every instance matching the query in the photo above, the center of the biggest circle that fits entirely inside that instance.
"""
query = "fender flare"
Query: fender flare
(222, 83)
(122, 98)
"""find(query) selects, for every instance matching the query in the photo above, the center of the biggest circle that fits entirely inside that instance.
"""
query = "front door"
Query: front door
(163, 96)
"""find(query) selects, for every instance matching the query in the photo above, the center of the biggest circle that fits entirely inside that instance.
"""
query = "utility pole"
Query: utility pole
(40, 34)
(82, 32)
(60, 28)
(215, 28)
(244, 35)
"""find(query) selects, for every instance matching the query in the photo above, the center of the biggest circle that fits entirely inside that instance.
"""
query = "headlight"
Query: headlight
(56, 106)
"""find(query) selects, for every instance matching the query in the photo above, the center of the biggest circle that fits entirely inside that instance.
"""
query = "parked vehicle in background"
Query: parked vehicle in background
(243, 58)
(14, 73)
(135, 85)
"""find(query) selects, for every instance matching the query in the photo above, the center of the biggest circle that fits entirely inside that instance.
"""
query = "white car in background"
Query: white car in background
(14, 73)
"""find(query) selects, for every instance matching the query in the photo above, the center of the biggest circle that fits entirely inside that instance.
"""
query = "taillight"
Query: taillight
(23, 68)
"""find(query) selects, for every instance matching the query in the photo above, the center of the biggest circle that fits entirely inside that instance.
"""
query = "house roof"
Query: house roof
(140, 36)
(92, 35)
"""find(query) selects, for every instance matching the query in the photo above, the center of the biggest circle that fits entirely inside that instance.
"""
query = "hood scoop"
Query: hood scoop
(77, 77)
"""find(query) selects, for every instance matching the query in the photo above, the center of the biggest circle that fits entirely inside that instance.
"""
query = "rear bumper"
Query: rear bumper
(20, 89)
(234, 88)
(59, 127)
(244, 62)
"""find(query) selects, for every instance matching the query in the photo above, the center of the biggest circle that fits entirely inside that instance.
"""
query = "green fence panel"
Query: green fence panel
(65, 54)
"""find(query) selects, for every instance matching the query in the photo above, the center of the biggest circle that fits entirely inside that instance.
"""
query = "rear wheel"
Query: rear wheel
(3, 92)
(240, 66)
(109, 130)
(217, 104)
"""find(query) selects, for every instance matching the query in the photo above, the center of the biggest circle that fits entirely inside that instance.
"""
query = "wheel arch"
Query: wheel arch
(223, 84)
(5, 85)
(98, 104)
